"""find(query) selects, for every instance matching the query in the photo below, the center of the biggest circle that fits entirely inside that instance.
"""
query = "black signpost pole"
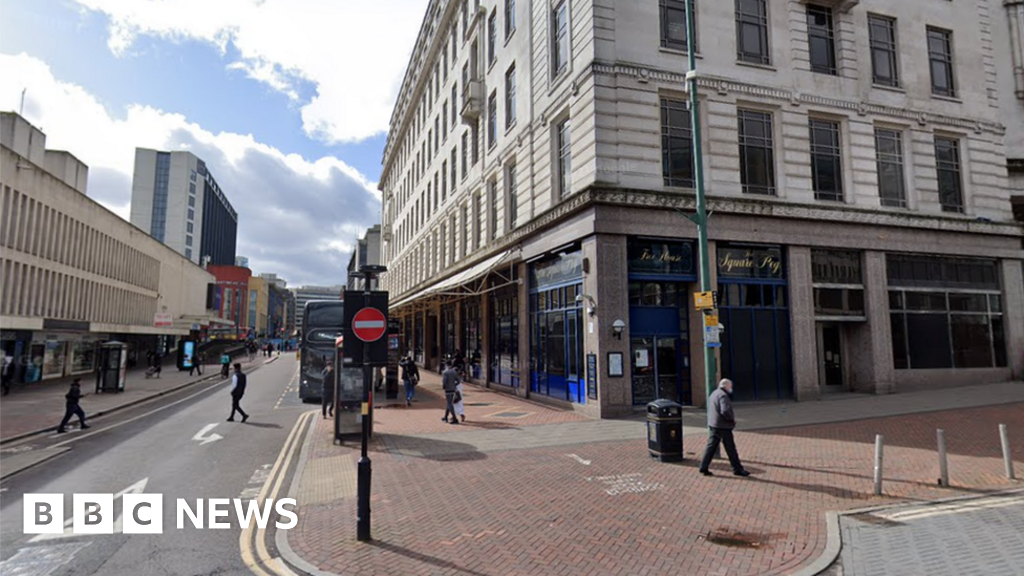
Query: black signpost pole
(364, 473)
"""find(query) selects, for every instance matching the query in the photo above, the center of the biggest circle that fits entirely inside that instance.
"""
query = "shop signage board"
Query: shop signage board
(163, 320)
(561, 269)
(661, 257)
(592, 376)
(750, 262)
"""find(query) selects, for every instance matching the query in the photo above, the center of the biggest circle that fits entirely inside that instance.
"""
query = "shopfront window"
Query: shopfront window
(504, 356)
(472, 343)
(838, 284)
(556, 327)
(83, 356)
(958, 325)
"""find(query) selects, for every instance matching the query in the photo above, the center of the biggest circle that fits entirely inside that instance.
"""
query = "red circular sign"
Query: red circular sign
(369, 324)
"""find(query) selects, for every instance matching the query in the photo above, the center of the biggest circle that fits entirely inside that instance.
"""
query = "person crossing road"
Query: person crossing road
(237, 391)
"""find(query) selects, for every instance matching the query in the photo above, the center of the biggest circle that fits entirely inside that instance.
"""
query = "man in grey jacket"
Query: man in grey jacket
(450, 383)
(721, 422)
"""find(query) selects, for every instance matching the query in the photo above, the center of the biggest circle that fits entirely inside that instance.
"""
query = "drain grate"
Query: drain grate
(509, 414)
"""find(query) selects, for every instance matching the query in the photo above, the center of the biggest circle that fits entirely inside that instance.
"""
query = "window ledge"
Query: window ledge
(508, 37)
(768, 67)
(952, 99)
(888, 88)
(510, 127)
(490, 65)
(678, 52)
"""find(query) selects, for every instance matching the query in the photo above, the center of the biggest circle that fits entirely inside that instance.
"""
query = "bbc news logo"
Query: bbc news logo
(144, 513)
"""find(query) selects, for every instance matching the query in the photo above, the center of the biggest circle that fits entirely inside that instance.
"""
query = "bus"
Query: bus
(321, 327)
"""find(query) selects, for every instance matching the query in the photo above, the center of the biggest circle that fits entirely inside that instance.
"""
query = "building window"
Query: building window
(945, 312)
(940, 60)
(188, 240)
(444, 119)
(564, 148)
(513, 200)
(676, 144)
(465, 154)
(882, 39)
(192, 201)
(492, 193)
(444, 180)
(821, 39)
(826, 164)
(510, 17)
(510, 96)
(492, 119)
(560, 44)
(757, 159)
(673, 24)
(478, 213)
(947, 167)
(455, 99)
(455, 159)
(465, 230)
(188, 253)
(752, 31)
(476, 141)
(191, 214)
(889, 160)
(492, 35)
(188, 227)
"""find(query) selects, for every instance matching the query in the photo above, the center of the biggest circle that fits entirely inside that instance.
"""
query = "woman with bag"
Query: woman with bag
(410, 377)
(459, 402)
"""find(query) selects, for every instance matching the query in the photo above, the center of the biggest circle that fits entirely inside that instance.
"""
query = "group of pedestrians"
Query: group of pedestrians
(451, 383)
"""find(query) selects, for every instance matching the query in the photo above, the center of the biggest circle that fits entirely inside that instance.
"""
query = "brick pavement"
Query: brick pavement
(35, 406)
(530, 510)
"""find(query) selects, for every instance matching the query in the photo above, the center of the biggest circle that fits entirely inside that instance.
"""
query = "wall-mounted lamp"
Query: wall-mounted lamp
(618, 326)
(592, 309)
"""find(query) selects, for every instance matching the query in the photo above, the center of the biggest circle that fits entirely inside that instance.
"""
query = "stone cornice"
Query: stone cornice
(723, 86)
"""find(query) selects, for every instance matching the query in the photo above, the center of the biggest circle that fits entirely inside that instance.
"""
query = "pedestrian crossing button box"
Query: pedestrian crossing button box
(665, 430)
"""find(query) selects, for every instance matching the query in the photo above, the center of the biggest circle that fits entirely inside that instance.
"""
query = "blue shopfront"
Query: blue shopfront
(754, 308)
(659, 273)
(556, 327)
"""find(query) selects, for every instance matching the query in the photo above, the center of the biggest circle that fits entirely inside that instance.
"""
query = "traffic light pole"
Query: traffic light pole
(701, 217)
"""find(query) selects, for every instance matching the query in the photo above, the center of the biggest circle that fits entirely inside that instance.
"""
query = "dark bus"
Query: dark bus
(321, 327)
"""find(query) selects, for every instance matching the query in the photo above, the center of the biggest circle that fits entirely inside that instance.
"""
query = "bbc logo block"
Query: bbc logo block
(93, 514)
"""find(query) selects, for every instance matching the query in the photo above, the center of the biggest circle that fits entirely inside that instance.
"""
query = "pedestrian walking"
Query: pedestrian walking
(158, 365)
(721, 422)
(460, 404)
(450, 384)
(410, 378)
(195, 365)
(225, 365)
(72, 407)
(7, 373)
(327, 391)
(237, 391)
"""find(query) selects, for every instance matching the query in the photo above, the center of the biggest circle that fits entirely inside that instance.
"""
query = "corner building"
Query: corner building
(538, 173)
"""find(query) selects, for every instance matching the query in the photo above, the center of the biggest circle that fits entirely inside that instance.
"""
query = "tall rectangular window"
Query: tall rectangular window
(673, 24)
(752, 31)
(492, 35)
(510, 17)
(513, 200)
(560, 41)
(465, 230)
(821, 39)
(492, 193)
(826, 162)
(476, 141)
(444, 118)
(455, 99)
(757, 157)
(510, 96)
(478, 213)
(455, 171)
(444, 180)
(492, 119)
(882, 40)
(940, 61)
(889, 160)
(564, 148)
(465, 154)
(947, 167)
(676, 144)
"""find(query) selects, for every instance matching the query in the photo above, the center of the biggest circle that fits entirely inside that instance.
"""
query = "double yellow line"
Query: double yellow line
(260, 561)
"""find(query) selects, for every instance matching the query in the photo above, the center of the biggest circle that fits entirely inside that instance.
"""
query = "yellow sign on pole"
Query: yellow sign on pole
(703, 300)
(711, 319)
(366, 408)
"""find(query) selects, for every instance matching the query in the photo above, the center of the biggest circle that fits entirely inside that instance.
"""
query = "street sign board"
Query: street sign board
(710, 319)
(369, 324)
(703, 300)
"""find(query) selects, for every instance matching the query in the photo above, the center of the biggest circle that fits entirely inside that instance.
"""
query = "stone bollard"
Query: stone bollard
(878, 464)
(1004, 438)
(943, 469)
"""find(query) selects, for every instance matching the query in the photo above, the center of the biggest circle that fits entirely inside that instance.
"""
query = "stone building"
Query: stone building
(538, 173)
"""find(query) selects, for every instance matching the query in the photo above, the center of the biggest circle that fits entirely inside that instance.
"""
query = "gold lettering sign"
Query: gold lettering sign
(663, 257)
(750, 262)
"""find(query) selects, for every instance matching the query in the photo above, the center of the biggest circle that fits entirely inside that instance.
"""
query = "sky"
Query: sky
(287, 102)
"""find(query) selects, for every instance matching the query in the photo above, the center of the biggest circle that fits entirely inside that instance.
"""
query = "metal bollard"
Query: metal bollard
(1004, 438)
(878, 464)
(943, 469)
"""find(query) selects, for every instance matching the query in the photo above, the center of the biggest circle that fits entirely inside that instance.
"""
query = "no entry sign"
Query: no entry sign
(369, 324)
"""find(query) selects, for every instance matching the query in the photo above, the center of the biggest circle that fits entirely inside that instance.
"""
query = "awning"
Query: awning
(468, 275)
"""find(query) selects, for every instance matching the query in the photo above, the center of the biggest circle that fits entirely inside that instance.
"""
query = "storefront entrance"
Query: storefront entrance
(660, 369)
(830, 355)
(556, 327)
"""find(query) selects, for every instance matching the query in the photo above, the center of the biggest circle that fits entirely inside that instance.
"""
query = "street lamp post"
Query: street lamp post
(701, 217)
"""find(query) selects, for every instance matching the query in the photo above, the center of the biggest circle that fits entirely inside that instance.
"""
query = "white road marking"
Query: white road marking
(203, 439)
(578, 459)
(40, 560)
(136, 488)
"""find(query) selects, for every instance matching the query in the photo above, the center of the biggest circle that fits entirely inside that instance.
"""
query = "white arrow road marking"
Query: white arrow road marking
(136, 488)
(578, 459)
(203, 439)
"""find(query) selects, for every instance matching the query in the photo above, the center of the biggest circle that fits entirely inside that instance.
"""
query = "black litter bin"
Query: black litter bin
(665, 430)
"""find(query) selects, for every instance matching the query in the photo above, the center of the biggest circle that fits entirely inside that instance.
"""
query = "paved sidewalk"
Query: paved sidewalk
(557, 495)
(33, 407)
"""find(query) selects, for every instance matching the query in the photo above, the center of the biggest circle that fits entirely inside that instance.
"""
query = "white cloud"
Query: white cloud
(353, 51)
(297, 217)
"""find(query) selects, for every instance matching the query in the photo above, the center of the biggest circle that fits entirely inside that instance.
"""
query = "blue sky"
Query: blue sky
(161, 78)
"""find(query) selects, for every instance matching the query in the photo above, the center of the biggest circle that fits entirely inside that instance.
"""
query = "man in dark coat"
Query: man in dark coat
(237, 391)
(450, 383)
(72, 408)
(721, 422)
(410, 377)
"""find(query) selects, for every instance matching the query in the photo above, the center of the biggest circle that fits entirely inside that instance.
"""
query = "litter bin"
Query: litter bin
(665, 430)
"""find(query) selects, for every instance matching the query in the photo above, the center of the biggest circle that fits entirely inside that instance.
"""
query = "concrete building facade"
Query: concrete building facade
(176, 199)
(75, 274)
(366, 251)
(232, 302)
(538, 173)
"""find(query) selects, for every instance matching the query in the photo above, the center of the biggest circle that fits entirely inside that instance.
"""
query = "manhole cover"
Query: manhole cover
(738, 539)
(509, 414)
